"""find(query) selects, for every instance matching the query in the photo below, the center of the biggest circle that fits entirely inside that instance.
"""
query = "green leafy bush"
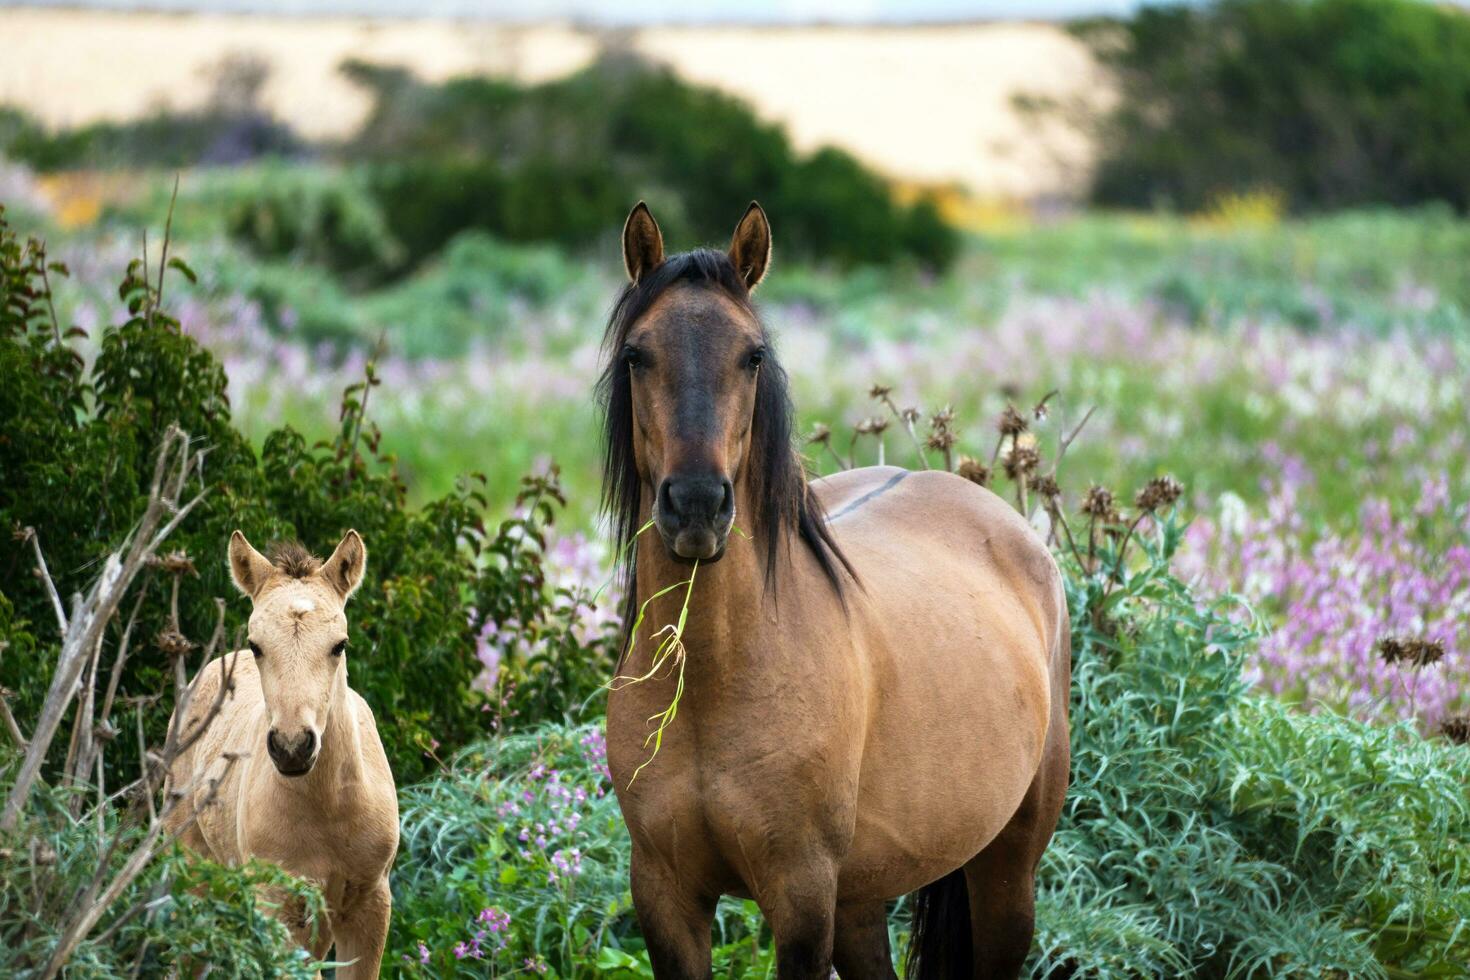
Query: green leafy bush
(1213, 832)
(563, 160)
(162, 139)
(180, 913)
(1331, 102)
(77, 450)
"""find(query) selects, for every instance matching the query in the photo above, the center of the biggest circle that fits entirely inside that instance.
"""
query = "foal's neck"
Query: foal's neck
(339, 766)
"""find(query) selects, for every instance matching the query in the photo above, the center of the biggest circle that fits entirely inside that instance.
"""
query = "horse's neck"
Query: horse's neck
(726, 601)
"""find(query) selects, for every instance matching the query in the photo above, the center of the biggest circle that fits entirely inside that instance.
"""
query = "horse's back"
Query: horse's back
(958, 622)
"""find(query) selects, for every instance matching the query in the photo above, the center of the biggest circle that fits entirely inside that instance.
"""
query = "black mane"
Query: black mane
(778, 481)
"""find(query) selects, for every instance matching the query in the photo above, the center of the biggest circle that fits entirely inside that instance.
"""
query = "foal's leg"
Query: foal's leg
(362, 930)
(674, 921)
(860, 943)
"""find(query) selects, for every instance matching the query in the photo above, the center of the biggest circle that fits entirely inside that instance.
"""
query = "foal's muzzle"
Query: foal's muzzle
(694, 515)
(294, 755)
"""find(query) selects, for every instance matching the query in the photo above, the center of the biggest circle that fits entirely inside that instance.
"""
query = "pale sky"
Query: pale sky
(644, 11)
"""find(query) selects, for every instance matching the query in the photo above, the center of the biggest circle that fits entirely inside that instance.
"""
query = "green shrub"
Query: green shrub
(180, 913)
(77, 452)
(163, 139)
(1332, 102)
(1212, 832)
(562, 161)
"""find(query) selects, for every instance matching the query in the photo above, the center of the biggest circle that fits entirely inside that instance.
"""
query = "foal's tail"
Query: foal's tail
(939, 943)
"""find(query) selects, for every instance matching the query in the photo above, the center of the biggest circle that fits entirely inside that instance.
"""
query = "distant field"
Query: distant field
(929, 104)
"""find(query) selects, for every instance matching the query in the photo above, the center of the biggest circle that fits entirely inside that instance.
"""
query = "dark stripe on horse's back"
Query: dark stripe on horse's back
(893, 481)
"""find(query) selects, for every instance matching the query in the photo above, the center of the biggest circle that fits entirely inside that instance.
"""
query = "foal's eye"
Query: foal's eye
(756, 357)
(632, 356)
(255, 648)
(340, 648)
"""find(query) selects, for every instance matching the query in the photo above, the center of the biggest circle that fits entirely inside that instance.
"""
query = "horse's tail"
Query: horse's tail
(940, 937)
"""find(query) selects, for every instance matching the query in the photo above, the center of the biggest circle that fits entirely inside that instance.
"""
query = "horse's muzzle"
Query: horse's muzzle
(292, 755)
(693, 515)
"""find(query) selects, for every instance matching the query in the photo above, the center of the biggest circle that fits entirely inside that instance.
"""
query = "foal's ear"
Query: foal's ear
(643, 243)
(750, 249)
(344, 569)
(248, 567)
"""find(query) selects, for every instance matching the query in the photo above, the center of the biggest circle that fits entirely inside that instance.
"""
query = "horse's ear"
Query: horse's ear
(643, 243)
(344, 569)
(750, 249)
(248, 567)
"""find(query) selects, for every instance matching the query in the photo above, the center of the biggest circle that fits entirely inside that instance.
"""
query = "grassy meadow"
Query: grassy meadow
(1302, 377)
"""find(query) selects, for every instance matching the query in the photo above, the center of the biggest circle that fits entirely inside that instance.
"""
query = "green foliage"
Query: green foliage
(1332, 102)
(182, 912)
(561, 161)
(217, 134)
(526, 826)
(78, 449)
(1211, 832)
(307, 214)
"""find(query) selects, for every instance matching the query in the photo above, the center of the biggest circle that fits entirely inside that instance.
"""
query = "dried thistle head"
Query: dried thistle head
(974, 471)
(1161, 491)
(1011, 423)
(880, 392)
(942, 419)
(911, 415)
(1021, 461)
(173, 643)
(176, 562)
(820, 435)
(941, 439)
(877, 425)
(1098, 503)
(1456, 728)
(1046, 487)
(1411, 650)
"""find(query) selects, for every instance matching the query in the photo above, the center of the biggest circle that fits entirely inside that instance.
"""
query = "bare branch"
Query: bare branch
(44, 574)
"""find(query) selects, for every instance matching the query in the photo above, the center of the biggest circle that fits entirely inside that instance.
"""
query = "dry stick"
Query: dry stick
(92, 613)
(45, 575)
(1066, 442)
(909, 426)
(9, 719)
(96, 904)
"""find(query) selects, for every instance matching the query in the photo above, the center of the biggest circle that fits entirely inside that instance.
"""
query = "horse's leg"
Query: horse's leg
(361, 930)
(675, 921)
(800, 904)
(860, 943)
(1001, 879)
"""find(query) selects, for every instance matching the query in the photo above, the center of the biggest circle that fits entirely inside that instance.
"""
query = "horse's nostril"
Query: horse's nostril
(727, 505)
(310, 746)
(666, 498)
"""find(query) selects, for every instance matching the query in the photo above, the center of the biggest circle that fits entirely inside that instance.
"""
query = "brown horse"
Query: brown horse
(877, 673)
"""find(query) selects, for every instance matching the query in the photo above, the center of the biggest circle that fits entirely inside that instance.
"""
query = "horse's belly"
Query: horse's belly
(938, 785)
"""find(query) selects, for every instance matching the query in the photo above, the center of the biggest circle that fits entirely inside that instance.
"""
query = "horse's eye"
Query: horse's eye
(340, 648)
(255, 648)
(756, 357)
(632, 356)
